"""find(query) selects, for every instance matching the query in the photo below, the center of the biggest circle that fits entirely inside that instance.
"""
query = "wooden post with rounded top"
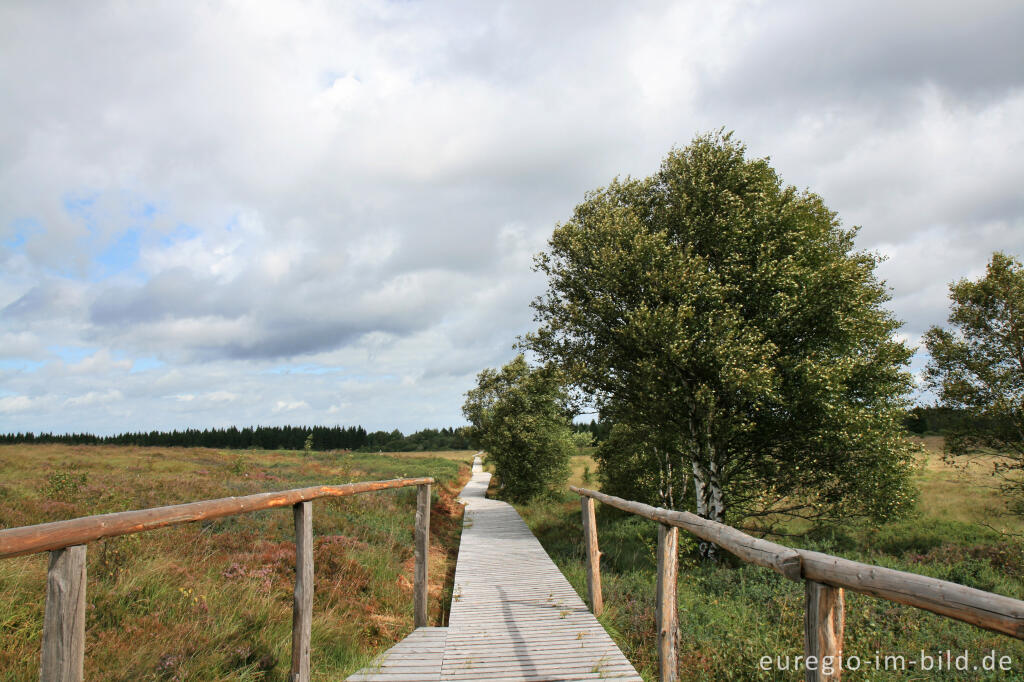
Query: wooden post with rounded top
(593, 556)
(421, 610)
(824, 622)
(666, 617)
(302, 613)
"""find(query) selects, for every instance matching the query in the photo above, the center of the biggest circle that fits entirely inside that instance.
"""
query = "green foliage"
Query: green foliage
(64, 484)
(582, 439)
(520, 417)
(977, 368)
(238, 466)
(307, 445)
(732, 613)
(425, 440)
(934, 419)
(599, 430)
(728, 319)
(633, 466)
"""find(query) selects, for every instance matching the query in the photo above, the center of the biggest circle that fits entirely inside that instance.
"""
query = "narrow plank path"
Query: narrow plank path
(514, 616)
(417, 658)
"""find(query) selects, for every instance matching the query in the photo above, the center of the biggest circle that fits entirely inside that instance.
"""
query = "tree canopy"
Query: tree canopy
(729, 320)
(520, 416)
(977, 368)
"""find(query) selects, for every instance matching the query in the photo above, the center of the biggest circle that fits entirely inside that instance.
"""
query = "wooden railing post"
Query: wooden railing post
(593, 555)
(421, 610)
(666, 618)
(302, 613)
(824, 620)
(63, 656)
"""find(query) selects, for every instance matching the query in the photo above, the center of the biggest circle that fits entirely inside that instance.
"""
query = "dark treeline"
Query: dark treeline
(266, 438)
(918, 420)
(598, 429)
(939, 420)
(421, 441)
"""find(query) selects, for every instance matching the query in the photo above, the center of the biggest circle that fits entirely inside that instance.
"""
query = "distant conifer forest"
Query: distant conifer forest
(267, 438)
(919, 420)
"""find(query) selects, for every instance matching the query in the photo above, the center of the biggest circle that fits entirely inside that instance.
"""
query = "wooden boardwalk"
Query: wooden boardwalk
(514, 616)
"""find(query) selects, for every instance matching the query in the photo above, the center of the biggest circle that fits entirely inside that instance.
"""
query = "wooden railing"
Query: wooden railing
(63, 649)
(824, 576)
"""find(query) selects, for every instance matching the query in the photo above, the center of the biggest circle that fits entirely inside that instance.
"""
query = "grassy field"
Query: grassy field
(733, 614)
(213, 600)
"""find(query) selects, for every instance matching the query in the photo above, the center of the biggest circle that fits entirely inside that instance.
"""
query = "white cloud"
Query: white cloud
(16, 403)
(94, 398)
(363, 185)
(290, 405)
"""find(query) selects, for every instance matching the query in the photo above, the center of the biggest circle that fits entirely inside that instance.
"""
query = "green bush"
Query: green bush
(520, 417)
(65, 484)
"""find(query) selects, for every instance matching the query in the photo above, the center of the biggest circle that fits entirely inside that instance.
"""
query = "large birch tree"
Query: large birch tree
(730, 319)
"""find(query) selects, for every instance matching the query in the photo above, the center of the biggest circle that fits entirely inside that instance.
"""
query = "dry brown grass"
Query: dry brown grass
(965, 492)
(213, 600)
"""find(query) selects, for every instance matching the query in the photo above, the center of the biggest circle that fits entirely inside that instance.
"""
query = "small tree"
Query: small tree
(978, 368)
(730, 314)
(521, 419)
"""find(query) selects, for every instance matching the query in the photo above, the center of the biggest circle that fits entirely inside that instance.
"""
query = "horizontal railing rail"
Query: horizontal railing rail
(63, 647)
(47, 536)
(825, 577)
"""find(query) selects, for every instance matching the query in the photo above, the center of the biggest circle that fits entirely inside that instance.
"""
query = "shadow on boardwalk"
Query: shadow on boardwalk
(514, 616)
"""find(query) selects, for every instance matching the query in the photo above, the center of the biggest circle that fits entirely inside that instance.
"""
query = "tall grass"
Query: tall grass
(213, 600)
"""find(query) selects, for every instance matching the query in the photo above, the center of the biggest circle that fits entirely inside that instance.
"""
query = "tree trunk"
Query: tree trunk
(698, 486)
(707, 479)
(666, 492)
(710, 501)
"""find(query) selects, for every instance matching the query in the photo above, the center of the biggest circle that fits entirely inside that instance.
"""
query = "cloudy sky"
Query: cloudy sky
(218, 213)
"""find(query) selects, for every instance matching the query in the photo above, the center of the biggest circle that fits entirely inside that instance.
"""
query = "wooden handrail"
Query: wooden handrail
(58, 534)
(753, 550)
(825, 576)
(64, 620)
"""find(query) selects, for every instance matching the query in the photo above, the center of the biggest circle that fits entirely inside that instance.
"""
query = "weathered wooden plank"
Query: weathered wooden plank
(824, 620)
(417, 658)
(58, 534)
(302, 613)
(665, 619)
(777, 557)
(593, 555)
(63, 654)
(422, 550)
(513, 616)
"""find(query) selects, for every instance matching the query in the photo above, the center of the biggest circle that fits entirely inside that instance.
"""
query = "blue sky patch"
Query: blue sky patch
(20, 365)
(182, 233)
(23, 229)
(71, 354)
(121, 255)
(80, 205)
(144, 364)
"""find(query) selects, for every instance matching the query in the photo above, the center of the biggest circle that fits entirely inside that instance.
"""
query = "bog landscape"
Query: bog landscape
(739, 353)
(214, 600)
(400, 341)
